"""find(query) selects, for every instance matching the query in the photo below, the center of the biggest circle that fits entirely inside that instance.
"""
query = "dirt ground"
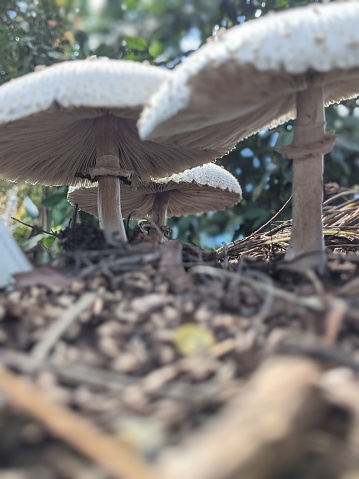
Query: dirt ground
(163, 361)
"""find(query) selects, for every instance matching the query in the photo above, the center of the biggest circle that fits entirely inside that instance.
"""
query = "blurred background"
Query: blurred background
(164, 32)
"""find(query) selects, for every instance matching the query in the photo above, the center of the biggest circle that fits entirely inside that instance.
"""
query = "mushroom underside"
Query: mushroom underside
(184, 199)
(57, 145)
(251, 101)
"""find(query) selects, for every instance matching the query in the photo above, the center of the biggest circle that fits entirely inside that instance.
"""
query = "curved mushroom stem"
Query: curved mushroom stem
(108, 166)
(309, 145)
(159, 209)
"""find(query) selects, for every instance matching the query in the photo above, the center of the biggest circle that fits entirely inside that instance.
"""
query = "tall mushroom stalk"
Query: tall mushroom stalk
(107, 170)
(309, 145)
(158, 213)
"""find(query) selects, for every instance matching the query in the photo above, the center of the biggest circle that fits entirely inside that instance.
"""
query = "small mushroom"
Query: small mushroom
(76, 121)
(204, 188)
(261, 74)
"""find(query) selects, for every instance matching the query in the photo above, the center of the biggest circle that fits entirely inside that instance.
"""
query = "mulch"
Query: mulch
(164, 361)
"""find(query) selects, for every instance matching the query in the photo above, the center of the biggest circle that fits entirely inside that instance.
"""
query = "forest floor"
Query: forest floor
(161, 361)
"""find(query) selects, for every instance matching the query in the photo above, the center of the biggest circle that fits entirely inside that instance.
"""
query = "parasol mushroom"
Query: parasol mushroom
(204, 188)
(77, 120)
(261, 74)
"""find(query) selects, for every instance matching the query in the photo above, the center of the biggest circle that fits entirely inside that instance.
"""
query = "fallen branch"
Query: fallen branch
(111, 453)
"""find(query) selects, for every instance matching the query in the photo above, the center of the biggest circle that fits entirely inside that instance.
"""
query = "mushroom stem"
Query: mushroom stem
(159, 209)
(307, 149)
(109, 202)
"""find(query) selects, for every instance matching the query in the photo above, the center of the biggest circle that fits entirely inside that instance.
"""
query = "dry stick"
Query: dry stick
(57, 329)
(260, 433)
(109, 452)
(338, 195)
(273, 217)
(334, 320)
(109, 205)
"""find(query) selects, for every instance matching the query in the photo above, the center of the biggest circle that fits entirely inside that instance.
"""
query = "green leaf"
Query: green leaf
(47, 241)
(136, 43)
(156, 48)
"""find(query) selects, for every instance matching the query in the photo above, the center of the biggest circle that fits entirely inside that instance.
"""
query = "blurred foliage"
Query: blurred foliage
(164, 32)
(32, 33)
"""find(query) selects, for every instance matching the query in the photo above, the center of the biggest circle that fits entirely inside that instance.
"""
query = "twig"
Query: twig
(334, 320)
(273, 217)
(36, 228)
(338, 195)
(57, 329)
(109, 452)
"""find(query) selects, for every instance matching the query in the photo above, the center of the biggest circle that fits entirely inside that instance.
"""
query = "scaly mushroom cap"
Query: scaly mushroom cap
(48, 122)
(248, 78)
(204, 188)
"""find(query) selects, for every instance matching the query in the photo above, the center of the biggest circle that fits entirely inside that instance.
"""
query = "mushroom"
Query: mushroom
(76, 121)
(269, 70)
(204, 188)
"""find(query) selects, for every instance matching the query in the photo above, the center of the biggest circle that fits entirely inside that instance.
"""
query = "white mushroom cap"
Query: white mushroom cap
(204, 188)
(47, 122)
(249, 77)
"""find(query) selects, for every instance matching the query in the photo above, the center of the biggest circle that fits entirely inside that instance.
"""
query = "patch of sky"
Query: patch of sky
(174, 62)
(258, 13)
(238, 171)
(215, 241)
(356, 112)
(247, 153)
(270, 165)
(22, 6)
(338, 124)
(255, 162)
(241, 19)
(11, 14)
(174, 232)
(263, 133)
(342, 111)
(191, 41)
(266, 186)
(289, 127)
(273, 139)
(249, 187)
